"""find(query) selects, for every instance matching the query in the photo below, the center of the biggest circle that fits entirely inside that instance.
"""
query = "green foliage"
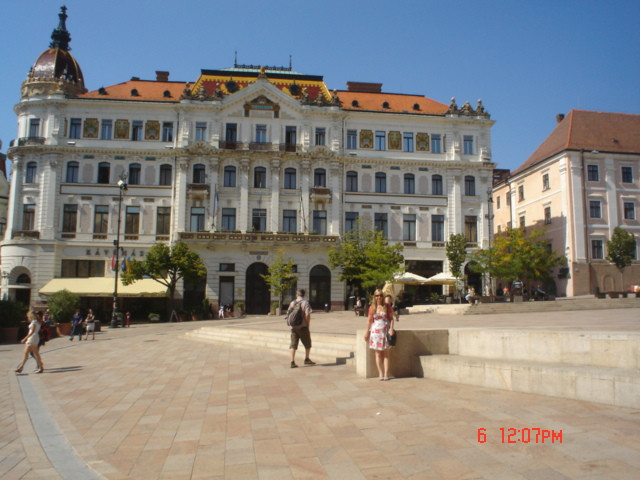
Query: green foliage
(167, 266)
(365, 257)
(517, 254)
(62, 305)
(12, 313)
(456, 250)
(280, 276)
(621, 248)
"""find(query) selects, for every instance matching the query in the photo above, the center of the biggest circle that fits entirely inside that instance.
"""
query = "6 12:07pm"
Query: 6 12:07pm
(523, 435)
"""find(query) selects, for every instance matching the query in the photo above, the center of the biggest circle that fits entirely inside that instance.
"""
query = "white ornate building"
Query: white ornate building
(238, 163)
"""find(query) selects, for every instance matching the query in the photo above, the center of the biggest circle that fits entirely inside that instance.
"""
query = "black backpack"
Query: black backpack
(295, 315)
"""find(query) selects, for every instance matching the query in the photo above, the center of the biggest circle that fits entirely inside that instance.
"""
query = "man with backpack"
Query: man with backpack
(299, 318)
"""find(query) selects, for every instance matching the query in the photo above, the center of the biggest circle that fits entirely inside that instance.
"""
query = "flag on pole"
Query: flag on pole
(124, 265)
(113, 262)
(304, 220)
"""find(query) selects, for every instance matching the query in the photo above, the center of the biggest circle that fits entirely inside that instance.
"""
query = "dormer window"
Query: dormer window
(385, 105)
(166, 94)
(416, 107)
(355, 104)
(102, 91)
(134, 92)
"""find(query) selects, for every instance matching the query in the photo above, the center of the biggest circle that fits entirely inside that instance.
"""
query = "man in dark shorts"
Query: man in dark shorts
(301, 333)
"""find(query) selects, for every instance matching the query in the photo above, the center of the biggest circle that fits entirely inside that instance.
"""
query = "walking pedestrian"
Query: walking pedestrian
(301, 333)
(76, 326)
(31, 343)
(90, 322)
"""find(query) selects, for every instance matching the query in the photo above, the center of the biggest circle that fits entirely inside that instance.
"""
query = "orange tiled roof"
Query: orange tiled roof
(148, 90)
(397, 103)
(588, 130)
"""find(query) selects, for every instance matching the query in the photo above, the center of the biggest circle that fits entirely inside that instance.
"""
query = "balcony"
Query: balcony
(224, 238)
(320, 194)
(260, 146)
(288, 147)
(26, 234)
(27, 141)
(198, 189)
(229, 145)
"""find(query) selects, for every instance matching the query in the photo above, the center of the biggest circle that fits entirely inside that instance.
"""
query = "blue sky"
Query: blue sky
(527, 60)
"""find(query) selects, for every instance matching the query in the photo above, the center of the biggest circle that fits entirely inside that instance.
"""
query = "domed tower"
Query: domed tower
(55, 71)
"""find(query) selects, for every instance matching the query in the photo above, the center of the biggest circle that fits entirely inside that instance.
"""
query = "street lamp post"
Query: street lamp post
(489, 218)
(122, 186)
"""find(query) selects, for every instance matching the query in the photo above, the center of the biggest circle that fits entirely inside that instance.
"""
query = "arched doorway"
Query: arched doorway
(194, 294)
(473, 279)
(257, 295)
(319, 287)
(23, 292)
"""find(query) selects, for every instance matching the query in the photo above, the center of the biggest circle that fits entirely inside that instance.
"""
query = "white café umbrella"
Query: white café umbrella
(441, 279)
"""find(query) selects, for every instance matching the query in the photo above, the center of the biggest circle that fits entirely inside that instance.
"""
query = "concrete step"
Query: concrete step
(565, 304)
(326, 348)
(612, 386)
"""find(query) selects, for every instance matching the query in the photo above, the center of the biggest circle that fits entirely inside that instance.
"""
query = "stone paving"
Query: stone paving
(146, 403)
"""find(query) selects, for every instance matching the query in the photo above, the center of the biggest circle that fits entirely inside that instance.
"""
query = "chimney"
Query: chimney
(162, 76)
(559, 118)
(364, 87)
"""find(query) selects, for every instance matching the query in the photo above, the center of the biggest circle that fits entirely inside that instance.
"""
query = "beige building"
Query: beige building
(581, 183)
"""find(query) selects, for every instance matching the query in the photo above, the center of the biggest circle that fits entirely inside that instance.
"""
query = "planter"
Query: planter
(64, 328)
(9, 335)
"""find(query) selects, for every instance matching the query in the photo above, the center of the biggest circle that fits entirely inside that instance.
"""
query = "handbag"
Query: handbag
(391, 339)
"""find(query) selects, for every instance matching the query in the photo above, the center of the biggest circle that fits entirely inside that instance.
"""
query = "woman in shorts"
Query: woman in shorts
(91, 325)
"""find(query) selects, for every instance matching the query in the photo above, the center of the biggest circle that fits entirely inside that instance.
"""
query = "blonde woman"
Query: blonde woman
(31, 343)
(380, 322)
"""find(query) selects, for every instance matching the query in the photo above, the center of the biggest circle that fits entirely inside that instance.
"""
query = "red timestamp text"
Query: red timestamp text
(524, 435)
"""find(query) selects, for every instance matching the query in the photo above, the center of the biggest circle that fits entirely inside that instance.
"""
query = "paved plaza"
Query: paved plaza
(148, 403)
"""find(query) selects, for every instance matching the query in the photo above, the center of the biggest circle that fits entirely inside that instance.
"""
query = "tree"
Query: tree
(62, 305)
(281, 276)
(620, 250)
(456, 250)
(167, 266)
(366, 258)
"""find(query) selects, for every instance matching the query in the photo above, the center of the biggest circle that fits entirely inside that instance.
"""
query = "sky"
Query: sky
(526, 60)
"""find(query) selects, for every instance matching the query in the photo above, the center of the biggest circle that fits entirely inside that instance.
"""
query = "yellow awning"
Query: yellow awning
(103, 287)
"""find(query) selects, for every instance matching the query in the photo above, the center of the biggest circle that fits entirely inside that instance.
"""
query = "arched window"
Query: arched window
(229, 176)
(72, 172)
(165, 174)
(319, 177)
(198, 173)
(290, 178)
(134, 174)
(436, 185)
(409, 183)
(30, 172)
(352, 181)
(381, 182)
(469, 186)
(260, 177)
(104, 172)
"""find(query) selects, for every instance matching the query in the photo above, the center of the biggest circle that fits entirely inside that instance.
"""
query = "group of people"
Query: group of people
(381, 321)
(78, 322)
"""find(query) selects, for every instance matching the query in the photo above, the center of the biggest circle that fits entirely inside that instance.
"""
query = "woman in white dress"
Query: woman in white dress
(31, 343)
(381, 321)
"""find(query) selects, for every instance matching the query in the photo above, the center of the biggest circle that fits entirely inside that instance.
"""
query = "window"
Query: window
(134, 174)
(167, 131)
(508, 198)
(593, 173)
(594, 209)
(471, 229)
(469, 186)
(132, 221)
(320, 222)
(407, 142)
(30, 172)
(75, 128)
(467, 145)
(629, 211)
(352, 139)
(69, 218)
(321, 136)
(350, 221)
(290, 178)
(381, 141)
(261, 134)
(101, 219)
(498, 202)
(198, 173)
(136, 131)
(352, 181)
(522, 221)
(28, 216)
(104, 172)
(231, 135)
(227, 267)
(197, 219)
(381, 182)
(289, 223)
(436, 185)
(597, 249)
(627, 175)
(229, 179)
(165, 174)
(545, 181)
(380, 224)
(547, 215)
(34, 127)
(290, 136)
(163, 220)
(229, 219)
(259, 177)
(437, 228)
(520, 193)
(72, 172)
(201, 131)
(319, 177)
(106, 130)
(409, 184)
(409, 228)
(82, 268)
(259, 220)
(436, 143)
